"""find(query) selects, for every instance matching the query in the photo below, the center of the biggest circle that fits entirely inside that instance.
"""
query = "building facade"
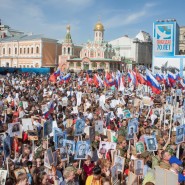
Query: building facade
(27, 50)
(137, 50)
(182, 40)
(94, 55)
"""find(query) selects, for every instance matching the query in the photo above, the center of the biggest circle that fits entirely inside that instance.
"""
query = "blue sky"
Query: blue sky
(119, 17)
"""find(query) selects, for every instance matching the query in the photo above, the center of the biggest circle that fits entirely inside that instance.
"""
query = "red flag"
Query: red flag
(96, 82)
(52, 78)
(15, 144)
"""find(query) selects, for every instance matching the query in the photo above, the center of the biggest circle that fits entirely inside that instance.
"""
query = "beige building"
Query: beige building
(29, 51)
(182, 40)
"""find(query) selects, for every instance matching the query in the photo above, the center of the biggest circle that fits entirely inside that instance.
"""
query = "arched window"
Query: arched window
(102, 65)
(9, 51)
(71, 64)
(28, 50)
(16, 51)
(36, 65)
(91, 54)
(3, 51)
(24, 50)
(37, 49)
(20, 50)
(68, 50)
(20, 66)
(32, 66)
(94, 64)
(31, 50)
(28, 66)
(7, 64)
(24, 66)
(78, 64)
(100, 34)
(15, 66)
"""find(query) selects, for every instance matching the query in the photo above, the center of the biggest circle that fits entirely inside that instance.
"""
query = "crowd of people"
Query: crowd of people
(76, 131)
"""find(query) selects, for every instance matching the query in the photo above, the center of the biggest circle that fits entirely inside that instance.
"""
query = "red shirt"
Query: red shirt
(88, 169)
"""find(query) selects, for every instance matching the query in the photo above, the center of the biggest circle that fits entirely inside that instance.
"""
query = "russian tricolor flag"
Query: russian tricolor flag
(57, 72)
(159, 77)
(65, 78)
(153, 83)
(172, 78)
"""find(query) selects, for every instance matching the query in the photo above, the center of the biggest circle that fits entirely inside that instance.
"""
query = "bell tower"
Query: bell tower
(67, 46)
(99, 32)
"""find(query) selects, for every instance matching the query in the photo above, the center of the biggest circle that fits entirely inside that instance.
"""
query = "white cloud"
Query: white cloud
(122, 19)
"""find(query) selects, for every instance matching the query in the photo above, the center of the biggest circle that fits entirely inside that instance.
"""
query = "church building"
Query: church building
(94, 55)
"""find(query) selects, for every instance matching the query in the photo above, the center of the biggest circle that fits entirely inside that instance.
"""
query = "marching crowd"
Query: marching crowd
(117, 119)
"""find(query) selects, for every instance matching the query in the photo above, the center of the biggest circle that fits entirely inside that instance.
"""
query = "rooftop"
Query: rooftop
(25, 38)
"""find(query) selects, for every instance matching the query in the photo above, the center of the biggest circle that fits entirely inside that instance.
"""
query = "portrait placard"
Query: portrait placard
(114, 174)
(44, 108)
(82, 148)
(48, 125)
(167, 109)
(55, 158)
(119, 162)
(79, 127)
(3, 174)
(140, 147)
(27, 124)
(92, 133)
(14, 129)
(32, 135)
(147, 101)
(59, 140)
(99, 126)
(180, 134)
(151, 143)
(63, 153)
(138, 166)
(25, 104)
(50, 156)
(70, 146)
(46, 160)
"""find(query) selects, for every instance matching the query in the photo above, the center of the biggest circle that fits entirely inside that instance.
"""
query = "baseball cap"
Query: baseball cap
(174, 159)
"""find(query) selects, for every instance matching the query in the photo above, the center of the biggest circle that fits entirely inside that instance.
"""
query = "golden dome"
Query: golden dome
(99, 26)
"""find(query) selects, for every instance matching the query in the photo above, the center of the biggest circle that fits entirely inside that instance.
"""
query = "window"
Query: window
(102, 65)
(78, 64)
(15, 66)
(37, 49)
(28, 50)
(3, 51)
(98, 54)
(15, 50)
(9, 51)
(68, 50)
(71, 64)
(100, 34)
(20, 66)
(31, 50)
(24, 50)
(91, 54)
(24, 66)
(64, 51)
(7, 64)
(32, 66)
(20, 50)
(36, 65)
(94, 64)
(28, 66)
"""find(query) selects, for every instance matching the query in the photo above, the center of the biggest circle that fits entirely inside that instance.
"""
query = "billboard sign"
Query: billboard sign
(163, 39)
